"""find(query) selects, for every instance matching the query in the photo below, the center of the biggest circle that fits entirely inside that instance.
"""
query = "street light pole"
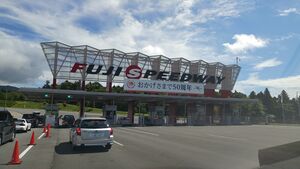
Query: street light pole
(5, 97)
(282, 111)
(298, 104)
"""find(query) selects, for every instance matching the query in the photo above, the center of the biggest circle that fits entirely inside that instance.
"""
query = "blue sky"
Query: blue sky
(265, 35)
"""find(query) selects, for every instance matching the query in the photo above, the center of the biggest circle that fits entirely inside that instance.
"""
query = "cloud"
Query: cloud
(290, 83)
(288, 11)
(172, 28)
(268, 63)
(21, 61)
(153, 50)
(244, 43)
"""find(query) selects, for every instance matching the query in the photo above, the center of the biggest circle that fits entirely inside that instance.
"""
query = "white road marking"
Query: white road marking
(41, 136)
(29, 147)
(120, 144)
(220, 136)
(25, 151)
(140, 131)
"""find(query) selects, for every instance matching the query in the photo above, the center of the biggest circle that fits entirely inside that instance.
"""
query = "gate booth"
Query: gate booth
(110, 113)
(51, 115)
(157, 115)
(196, 115)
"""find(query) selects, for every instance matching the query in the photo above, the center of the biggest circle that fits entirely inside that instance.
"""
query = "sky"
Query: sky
(264, 35)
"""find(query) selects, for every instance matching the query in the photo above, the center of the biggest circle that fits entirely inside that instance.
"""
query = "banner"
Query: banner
(160, 86)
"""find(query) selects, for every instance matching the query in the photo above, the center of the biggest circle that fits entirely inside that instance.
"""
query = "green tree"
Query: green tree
(268, 102)
(237, 94)
(67, 85)
(96, 86)
(284, 96)
(252, 95)
(47, 85)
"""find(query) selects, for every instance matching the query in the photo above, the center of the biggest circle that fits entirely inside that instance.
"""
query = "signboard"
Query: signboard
(163, 86)
(135, 72)
(86, 63)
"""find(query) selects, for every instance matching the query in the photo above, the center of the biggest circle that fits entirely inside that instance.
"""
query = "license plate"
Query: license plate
(96, 134)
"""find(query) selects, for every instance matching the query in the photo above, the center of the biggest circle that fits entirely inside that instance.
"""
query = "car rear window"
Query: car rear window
(3, 116)
(27, 116)
(94, 123)
(68, 117)
(19, 121)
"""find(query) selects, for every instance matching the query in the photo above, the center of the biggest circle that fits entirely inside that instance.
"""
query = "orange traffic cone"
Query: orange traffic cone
(15, 157)
(48, 131)
(45, 129)
(32, 141)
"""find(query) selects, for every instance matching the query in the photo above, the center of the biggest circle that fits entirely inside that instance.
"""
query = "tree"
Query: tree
(67, 85)
(117, 89)
(238, 95)
(252, 95)
(284, 96)
(268, 102)
(47, 85)
(96, 87)
(260, 96)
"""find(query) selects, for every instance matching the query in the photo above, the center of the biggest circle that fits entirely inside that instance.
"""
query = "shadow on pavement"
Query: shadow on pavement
(66, 148)
(279, 153)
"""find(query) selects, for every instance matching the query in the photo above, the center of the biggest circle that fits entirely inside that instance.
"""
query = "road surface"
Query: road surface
(203, 147)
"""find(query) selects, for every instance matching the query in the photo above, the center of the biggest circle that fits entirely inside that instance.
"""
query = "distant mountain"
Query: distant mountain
(8, 88)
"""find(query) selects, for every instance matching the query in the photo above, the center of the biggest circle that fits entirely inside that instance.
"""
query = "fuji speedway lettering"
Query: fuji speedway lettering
(135, 72)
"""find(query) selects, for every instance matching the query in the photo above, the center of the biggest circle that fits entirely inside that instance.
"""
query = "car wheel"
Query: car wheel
(74, 147)
(108, 146)
(13, 137)
(1, 139)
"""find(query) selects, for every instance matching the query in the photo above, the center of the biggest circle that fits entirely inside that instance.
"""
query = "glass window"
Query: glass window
(3, 116)
(94, 123)
(77, 122)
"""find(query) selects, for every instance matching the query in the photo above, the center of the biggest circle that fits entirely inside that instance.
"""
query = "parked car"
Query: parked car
(23, 125)
(124, 121)
(68, 120)
(7, 127)
(32, 119)
(91, 131)
(40, 118)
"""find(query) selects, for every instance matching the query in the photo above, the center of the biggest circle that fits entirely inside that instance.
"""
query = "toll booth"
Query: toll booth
(51, 114)
(196, 115)
(157, 115)
(110, 113)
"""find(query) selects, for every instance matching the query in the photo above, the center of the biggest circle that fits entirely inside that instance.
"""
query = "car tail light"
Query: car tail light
(78, 131)
(111, 131)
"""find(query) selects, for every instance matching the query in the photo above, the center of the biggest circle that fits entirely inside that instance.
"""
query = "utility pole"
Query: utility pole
(298, 104)
(282, 111)
(5, 97)
(237, 60)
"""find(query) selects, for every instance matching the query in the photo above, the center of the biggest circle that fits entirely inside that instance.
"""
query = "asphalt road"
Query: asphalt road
(203, 147)
(210, 147)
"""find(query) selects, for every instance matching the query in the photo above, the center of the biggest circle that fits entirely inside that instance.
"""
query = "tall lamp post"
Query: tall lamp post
(282, 111)
(5, 97)
(298, 104)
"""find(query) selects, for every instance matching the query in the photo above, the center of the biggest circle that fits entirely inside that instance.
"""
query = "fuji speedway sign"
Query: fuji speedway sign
(135, 72)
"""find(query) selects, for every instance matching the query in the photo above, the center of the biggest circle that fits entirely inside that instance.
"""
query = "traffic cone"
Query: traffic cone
(15, 157)
(45, 129)
(48, 131)
(32, 141)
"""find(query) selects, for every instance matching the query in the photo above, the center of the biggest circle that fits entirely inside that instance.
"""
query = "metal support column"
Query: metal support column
(82, 100)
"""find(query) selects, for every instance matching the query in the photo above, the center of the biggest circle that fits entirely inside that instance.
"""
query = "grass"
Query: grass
(28, 105)
(62, 107)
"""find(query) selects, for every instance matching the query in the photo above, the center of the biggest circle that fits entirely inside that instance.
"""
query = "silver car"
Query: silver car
(91, 131)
